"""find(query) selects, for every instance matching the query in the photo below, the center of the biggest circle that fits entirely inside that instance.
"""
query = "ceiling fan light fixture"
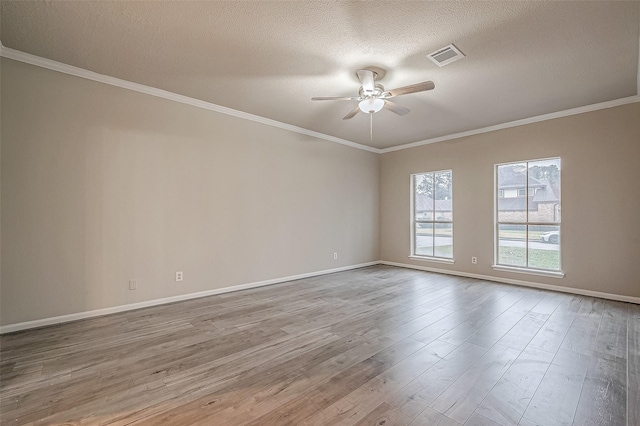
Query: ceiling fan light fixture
(371, 105)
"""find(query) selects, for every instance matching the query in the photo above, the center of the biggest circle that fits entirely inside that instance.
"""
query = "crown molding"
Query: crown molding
(28, 58)
(90, 75)
(516, 123)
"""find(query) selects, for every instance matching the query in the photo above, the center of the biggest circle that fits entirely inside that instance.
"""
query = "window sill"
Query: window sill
(528, 271)
(433, 259)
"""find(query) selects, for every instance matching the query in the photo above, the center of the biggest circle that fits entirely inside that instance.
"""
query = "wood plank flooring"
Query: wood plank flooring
(373, 346)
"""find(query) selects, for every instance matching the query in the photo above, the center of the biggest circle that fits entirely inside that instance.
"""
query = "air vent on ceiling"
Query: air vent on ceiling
(446, 55)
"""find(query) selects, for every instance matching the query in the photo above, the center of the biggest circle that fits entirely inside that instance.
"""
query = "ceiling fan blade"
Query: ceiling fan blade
(334, 98)
(352, 113)
(367, 79)
(413, 88)
(398, 109)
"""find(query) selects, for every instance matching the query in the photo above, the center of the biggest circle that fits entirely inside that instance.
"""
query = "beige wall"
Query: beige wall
(101, 184)
(600, 154)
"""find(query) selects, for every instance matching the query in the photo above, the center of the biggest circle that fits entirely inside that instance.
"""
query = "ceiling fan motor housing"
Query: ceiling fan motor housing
(378, 91)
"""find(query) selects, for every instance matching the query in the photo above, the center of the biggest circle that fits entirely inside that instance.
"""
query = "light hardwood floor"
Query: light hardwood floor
(373, 346)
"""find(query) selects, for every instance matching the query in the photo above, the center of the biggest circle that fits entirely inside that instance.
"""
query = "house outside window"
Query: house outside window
(432, 214)
(528, 216)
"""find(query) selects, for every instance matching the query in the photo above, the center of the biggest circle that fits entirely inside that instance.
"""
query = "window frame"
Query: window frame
(413, 221)
(496, 225)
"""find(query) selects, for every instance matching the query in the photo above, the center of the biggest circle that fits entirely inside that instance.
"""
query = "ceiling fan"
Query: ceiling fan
(372, 96)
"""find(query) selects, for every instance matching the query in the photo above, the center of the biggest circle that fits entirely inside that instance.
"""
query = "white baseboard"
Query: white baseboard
(562, 289)
(9, 328)
(115, 309)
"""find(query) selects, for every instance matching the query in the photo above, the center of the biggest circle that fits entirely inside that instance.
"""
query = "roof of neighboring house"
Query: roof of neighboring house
(509, 177)
(545, 195)
(425, 203)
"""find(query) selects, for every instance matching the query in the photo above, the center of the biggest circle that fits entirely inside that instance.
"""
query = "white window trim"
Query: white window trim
(530, 271)
(432, 259)
(412, 234)
(518, 269)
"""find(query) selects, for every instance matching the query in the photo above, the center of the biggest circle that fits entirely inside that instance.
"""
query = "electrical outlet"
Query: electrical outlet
(179, 276)
(335, 256)
(474, 260)
(133, 284)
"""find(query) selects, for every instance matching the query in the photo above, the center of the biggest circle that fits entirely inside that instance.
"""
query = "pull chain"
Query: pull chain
(371, 126)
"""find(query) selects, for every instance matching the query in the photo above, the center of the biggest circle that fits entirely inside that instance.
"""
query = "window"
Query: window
(432, 214)
(501, 193)
(528, 226)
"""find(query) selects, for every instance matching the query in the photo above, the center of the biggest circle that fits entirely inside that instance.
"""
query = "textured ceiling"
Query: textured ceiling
(269, 58)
